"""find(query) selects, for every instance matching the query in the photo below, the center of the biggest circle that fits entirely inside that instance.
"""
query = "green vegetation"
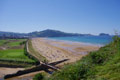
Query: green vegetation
(38, 76)
(12, 52)
(11, 42)
(103, 64)
(14, 43)
(2, 42)
(35, 53)
(29, 55)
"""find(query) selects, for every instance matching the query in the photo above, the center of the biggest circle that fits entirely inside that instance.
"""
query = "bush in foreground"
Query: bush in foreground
(38, 76)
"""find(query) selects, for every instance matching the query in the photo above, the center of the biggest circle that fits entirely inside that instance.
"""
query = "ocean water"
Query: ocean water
(100, 40)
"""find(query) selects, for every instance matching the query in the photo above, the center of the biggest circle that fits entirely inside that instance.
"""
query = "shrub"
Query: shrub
(116, 39)
(97, 58)
(23, 42)
(38, 76)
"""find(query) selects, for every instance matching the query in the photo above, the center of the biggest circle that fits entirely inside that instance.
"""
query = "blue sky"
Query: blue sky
(77, 16)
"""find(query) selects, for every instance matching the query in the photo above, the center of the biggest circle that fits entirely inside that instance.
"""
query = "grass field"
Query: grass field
(14, 43)
(14, 54)
(11, 42)
(12, 50)
(2, 42)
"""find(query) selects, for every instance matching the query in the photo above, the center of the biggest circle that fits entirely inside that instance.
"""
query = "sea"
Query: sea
(97, 40)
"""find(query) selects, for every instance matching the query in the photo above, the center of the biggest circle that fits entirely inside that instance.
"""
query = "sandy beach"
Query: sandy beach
(58, 50)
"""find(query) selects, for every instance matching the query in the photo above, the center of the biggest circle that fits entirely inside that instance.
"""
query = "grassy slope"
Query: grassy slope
(35, 53)
(103, 64)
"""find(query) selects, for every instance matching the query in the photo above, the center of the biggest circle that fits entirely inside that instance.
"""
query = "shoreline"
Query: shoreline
(79, 42)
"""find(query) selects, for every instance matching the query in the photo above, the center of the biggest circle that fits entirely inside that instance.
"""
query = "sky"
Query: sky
(75, 16)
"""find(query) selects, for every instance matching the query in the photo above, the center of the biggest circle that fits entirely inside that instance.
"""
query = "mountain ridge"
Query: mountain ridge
(43, 33)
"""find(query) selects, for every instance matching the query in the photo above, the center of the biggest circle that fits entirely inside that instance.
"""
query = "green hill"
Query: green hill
(44, 33)
(103, 64)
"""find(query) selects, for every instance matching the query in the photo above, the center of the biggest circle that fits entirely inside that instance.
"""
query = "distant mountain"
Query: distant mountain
(44, 33)
(53, 33)
(103, 34)
(12, 35)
